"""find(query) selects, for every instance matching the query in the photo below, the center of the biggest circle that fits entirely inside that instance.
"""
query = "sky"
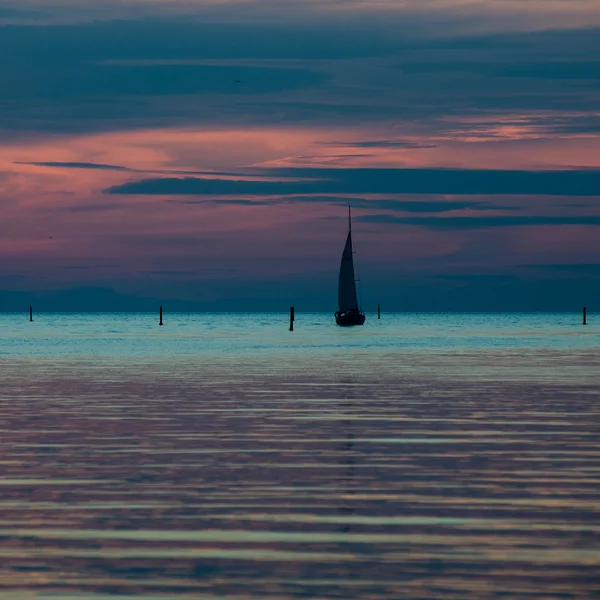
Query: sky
(202, 154)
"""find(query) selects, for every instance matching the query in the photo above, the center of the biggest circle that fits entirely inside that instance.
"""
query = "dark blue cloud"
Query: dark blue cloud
(105, 167)
(90, 207)
(79, 267)
(423, 206)
(79, 80)
(127, 74)
(379, 181)
(579, 269)
(171, 273)
(460, 223)
(392, 143)
(10, 12)
(550, 69)
(184, 38)
(75, 165)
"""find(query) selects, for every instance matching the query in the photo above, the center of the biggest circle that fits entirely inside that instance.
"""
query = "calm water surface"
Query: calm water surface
(221, 456)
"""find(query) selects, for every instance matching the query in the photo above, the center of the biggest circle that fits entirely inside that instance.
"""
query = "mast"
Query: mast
(349, 311)
(347, 299)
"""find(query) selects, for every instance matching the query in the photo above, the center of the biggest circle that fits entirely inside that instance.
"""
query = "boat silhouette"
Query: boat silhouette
(348, 313)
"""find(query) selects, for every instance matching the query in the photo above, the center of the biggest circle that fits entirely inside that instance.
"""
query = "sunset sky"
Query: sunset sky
(201, 154)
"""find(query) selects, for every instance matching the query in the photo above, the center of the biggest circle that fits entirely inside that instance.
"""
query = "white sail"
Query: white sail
(347, 299)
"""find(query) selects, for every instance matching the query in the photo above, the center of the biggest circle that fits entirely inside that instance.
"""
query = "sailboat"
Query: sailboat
(348, 313)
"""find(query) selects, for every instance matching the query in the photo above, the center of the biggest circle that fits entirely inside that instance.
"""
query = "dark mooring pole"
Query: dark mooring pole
(292, 318)
(161, 317)
(584, 315)
(31, 314)
(379, 311)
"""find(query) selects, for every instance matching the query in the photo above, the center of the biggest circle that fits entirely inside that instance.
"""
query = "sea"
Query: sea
(222, 456)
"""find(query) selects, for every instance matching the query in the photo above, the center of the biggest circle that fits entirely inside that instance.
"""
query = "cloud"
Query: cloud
(91, 207)
(534, 69)
(378, 181)
(9, 278)
(524, 126)
(394, 143)
(232, 201)
(189, 273)
(13, 12)
(75, 165)
(142, 71)
(407, 17)
(79, 267)
(171, 273)
(78, 80)
(105, 167)
(579, 269)
(423, 206)
(452, 223)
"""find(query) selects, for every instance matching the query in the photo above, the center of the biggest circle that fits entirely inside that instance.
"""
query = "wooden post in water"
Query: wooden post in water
(379, 311)
(292, 318)
(584, 315)
(31, 314)
(161, 322)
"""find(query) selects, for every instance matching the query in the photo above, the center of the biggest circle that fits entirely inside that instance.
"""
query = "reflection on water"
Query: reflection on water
(237, 463)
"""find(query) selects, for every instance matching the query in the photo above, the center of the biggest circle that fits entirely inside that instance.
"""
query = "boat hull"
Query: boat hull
(349, 319)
